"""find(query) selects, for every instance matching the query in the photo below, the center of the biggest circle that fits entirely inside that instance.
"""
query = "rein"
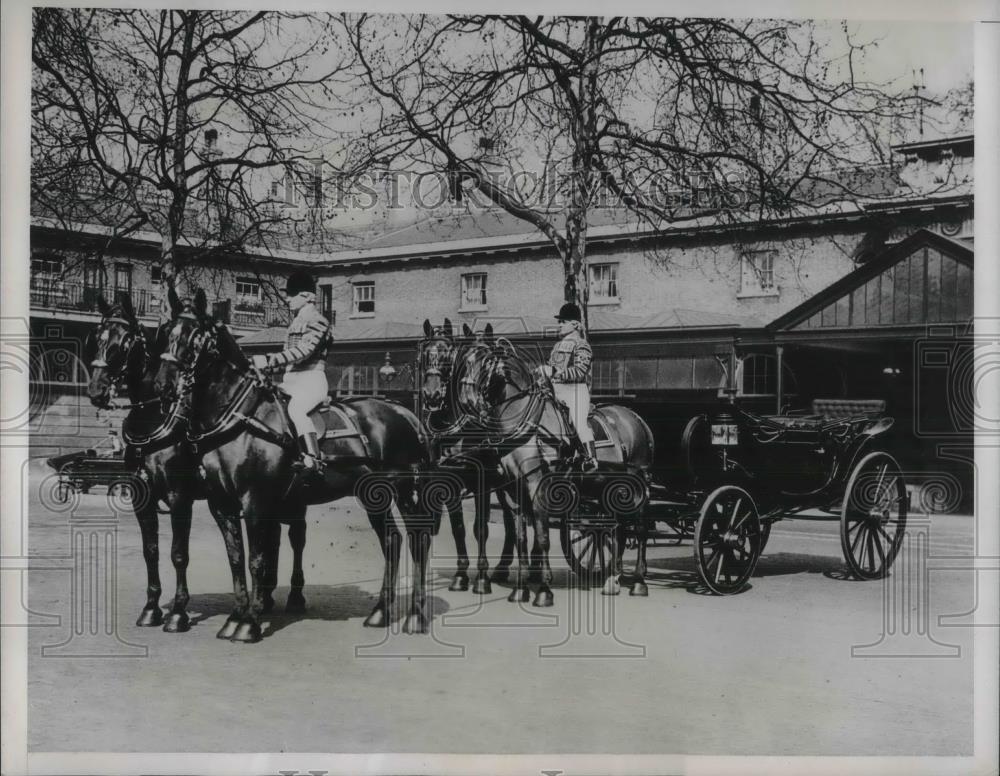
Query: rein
(249, 393)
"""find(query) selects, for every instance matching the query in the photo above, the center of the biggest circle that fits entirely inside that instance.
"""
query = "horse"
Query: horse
(120, 355)
(247, 448)
(530, 429)
(453, 439)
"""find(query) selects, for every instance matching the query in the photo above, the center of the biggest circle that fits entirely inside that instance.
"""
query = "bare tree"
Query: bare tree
(176, 121)
(666, 119)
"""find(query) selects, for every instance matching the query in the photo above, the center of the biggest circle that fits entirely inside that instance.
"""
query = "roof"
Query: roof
(366, 330)
(937, 287)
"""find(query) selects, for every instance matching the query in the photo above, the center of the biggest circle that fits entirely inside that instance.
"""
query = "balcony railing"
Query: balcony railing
(51, 294)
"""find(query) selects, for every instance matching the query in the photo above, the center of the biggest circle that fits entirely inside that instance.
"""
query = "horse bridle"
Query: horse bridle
(134, 335)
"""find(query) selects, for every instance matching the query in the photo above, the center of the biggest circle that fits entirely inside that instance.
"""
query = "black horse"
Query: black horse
(241, 432)
(531, 430)
(455, 440)
(167, 471)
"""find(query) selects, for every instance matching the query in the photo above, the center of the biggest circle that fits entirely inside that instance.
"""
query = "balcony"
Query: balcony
(50, 294)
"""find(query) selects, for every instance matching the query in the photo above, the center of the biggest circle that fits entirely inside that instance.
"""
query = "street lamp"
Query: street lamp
(387, 371)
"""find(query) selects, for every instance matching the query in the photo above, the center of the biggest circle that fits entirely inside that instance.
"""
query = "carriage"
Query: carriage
(745, 471)
(101, 466)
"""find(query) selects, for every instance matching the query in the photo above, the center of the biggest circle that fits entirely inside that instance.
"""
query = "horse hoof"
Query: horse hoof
(415, 622)
(296, 603)
(150, 618)
(247, 633)
(228, 629)
(177, 622)
(611, 587)
(377, 619)
(482, 586)
(639, 589)
(459, 584)
(519, 594)
(542, 598)
(500, 576)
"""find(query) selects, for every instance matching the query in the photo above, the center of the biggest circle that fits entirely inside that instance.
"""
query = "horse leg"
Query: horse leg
(419, 535)
(501, 572)
(390, 540)
(540, 568)
(639, 584)
(149, 529)
(612, 585)
(460, 581)
(269, 571)
(520, 592)
(481, 528)
(296, 603)
(262, 532)
(232, 535)
(180, 523)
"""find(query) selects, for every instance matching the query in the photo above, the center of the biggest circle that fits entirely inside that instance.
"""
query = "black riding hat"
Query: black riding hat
(569, 312)
(300, 281)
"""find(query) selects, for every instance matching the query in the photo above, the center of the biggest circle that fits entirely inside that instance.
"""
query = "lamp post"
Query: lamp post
(387, 372)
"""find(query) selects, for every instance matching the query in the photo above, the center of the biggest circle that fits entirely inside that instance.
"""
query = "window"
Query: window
(123, 280)
(46, 271)
(316, 184)
(364, 298)
(248, 294)
(291, 191)
(760, 376)
(248, 289)
(156, 275)
(93, 284)
(603, 283)
(474, 291)
(46, 280)
(757, 274)
(326, 302)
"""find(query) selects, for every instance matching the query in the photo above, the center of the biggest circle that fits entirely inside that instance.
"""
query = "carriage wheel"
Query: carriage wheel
(588, 548)
(122, 491)
(873, 516)
(62, 491)
(727, 540)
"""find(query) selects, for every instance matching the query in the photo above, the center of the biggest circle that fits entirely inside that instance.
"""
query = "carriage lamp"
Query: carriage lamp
(725, 432)
(387, 371)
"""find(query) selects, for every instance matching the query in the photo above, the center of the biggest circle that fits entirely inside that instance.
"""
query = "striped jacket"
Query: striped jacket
(571, 358)
(306, 343)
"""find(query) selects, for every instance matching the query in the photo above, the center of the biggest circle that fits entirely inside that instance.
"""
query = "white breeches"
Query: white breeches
(576, 396)
(307, 389)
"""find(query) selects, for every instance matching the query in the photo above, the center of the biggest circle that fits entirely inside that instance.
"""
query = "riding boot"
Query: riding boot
(589, 456)
(312, 458)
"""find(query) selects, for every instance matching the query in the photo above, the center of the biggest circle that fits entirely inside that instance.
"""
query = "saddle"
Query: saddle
(609, 453)
(341, 439)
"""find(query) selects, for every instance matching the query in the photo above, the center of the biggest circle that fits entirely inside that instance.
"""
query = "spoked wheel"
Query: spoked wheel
(727, 540)
(589, 548)
(873, 516)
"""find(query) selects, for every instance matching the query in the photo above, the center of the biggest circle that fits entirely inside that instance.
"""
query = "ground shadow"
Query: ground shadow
(332, 603)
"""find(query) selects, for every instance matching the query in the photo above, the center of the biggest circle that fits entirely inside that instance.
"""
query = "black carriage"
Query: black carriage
(104, 467)
(757, 469)
(746, 471)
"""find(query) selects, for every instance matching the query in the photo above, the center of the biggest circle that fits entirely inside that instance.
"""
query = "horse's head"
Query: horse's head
(437, 358)
(188, 333)
(115, 349)
(490, 371)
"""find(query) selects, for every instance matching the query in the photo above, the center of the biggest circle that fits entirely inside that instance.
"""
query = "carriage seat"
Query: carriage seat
(795, 422)
(836, 409)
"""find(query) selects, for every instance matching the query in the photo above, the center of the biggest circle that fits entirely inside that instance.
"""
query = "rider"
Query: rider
(569, 369)
(305, 357)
